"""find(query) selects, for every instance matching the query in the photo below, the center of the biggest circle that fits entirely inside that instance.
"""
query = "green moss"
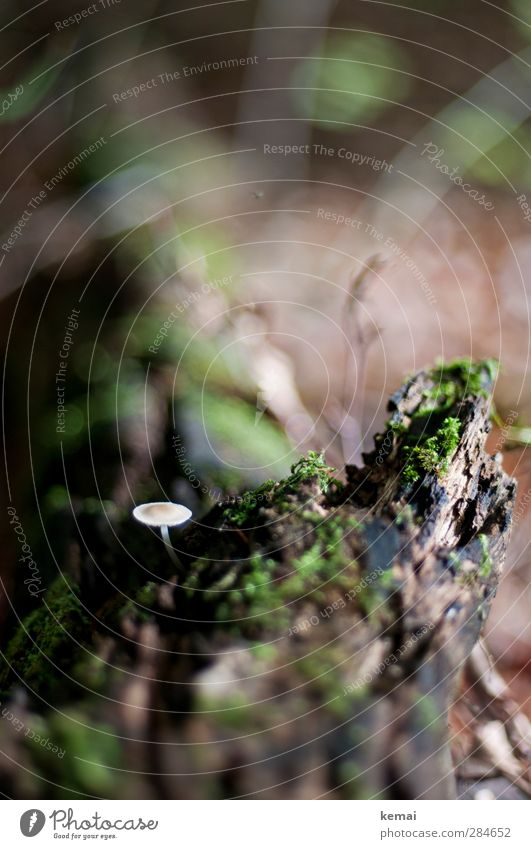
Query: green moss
(469, 377)
(387, 580)
(519, 435)
(373, 599)
(354, 781)
(231, 710)
(265, 591)
(235, 431)
(455, 561)
(427, 713)
(47, 637)
(467, 579)
(454, 381)
(147, 594)
(264, 652)
(433, 453)
(311, 517)
(248, 503)
(141, 604)
(426, 439)
(311, 466)
(405, 517)
(93, 671)
(394, 424)
(306, 469)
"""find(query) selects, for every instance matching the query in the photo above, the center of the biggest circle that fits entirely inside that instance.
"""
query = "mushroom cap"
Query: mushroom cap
(159, 513)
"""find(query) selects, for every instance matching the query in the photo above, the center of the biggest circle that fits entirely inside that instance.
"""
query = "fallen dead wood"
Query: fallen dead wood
(312, 643)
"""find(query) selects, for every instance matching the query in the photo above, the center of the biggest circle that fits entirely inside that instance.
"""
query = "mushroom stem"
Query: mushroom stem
(163, 515)
(167, 542)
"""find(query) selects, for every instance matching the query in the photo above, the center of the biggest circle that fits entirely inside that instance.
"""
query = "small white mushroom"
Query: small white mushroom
(163, 515)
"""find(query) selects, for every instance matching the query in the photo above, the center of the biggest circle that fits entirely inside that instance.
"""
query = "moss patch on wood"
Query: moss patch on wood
(312, 466)
(432, 453)
(45, 642)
